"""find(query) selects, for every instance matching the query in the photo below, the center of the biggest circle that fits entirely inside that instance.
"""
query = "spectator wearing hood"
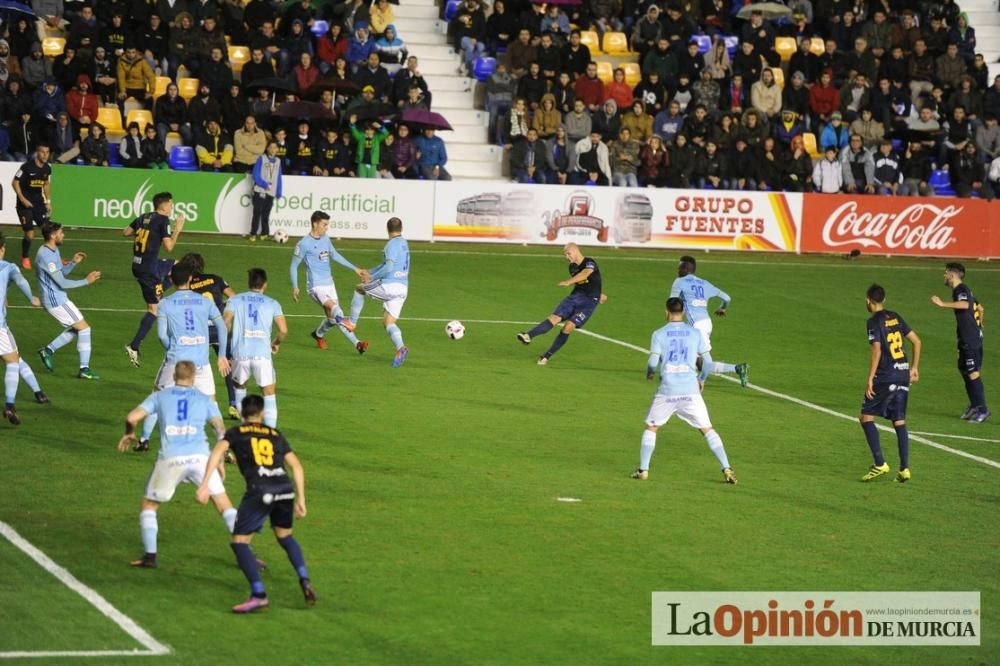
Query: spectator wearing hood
(115, 36)
(638, 122)
(796, 97)
(547, 118)
(22, 36)
(36, 67)
(63, 139)
(153, 41)
(592, 163)
(214, 149)
(171, 115)
(606, 122)
(652, 93)
(235, 107)
(391, 49)
(824, 99)
(130, 147)
(619, 91)
(381, 17)
(623, 156)
(302, 10)
(647, 31)
(48, 102)
(81, 103)
(94, 147)
(171, 10)
(765, 95)
(361, 46)
(786, 128)
(404, 155)
(298, 41)
(67, 67)
(184, 45)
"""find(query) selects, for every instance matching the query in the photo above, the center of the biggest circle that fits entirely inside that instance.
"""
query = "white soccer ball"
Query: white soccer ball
(455, 330)
(280, 236)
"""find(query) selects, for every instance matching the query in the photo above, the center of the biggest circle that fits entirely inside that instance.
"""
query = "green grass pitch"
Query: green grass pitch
(434, 535)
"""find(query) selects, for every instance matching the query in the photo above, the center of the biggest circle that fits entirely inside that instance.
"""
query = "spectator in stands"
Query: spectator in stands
(795, 97)
(747, 62)
(560, 154)
(786, 128)
(888, 171)
(360, 47)
(669, 123)
(590, 90)
(409, 77)
(202, 108)
(968, 173)
(926, 127)
(592, 164)
(22, 37)
(368, 147)
(709, 168)
(130, 148)
(765, 95)
(214, 148)
(81, 104)
(949, 68)
(355, 14)
(957, 134)
(115, 36)
(878, 33)
(605, 15)
(824, 100)
(578, 122)
(968, 98)
(331, 46)
(249, 143)
(988, 139)
(305, 73)
(859, 167)
(499, 96)
(690, 61)
(677, 27)
(184, 45)
(861, 61)
(135, 78)
(547, 118)
(381, 17)
(716, 61)
(619, 90)
(556, 23)
(846, 31)
(415, 100)
(469, 29)
(753, 128)
(623, 156)
(171, 115)
(683, 160)
(906, 33)
(770, 167)
(833, 60)
(647, 31)
(35, 68)
(298, 41)
(528, 159)
(638, 122)
(980, 72)
(50, 18)
(563, 92)
(216, 73)
(47, 102)
(936, 36)
(9, 65)
(171, 12)
(501, 27)
(153, 151)
(258, 68)
(653, 163)
(921, 71)
(154, 43)
(915, 168)
(698, 126)
(828, 174)
(63, 139)
(725, 132)
(806, 63)
(606, 121)
(760, 33)
(707, 92)
(522, 53)
(741, 168)
(65, 67)
(94, 148)
(518, 121)
(993, 177)
(365, 99)
(391, 49)
(404, 155)
(870, 130)
(532, 87)
(651, 92)
(735, 97)
(549, 58)
(301, 150)
(432, 156)
(234, 108)
(265, 40)
(326, 150)
(104, 76)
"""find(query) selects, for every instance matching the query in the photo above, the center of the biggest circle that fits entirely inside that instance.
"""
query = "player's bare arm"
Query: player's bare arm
(128, 231)
(169, 243)
(872, 367)
(299, 478)
(282, 334)
(578, 278)
(915, 365)
(951, 305)
(133, 418)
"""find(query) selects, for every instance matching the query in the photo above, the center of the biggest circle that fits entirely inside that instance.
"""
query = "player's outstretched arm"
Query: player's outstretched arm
(582, 276)
(915, 366)
(214, 462)
(952, 305)
(299, 478)
(133, 418)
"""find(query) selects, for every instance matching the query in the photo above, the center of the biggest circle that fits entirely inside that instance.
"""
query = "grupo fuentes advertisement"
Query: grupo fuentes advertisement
(507, 212)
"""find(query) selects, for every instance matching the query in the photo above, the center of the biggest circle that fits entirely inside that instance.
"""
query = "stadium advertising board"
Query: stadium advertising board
(507, 212)
(8, 200)
(89, 197)
(931, 227)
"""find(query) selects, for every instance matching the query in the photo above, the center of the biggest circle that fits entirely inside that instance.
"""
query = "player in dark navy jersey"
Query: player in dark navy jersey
(262, 453)
(890, 374)
(969, 325)
(575, 309)
(151, 231)
(216, 288)
(32, 184)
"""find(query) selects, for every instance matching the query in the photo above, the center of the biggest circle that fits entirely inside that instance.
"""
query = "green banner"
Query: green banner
(84, 196)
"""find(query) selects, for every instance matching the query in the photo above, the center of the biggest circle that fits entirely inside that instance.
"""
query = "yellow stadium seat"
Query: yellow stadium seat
(633, 75)
(605, 72)
(238, 56)
(785, 46)
(161, 86)
(616, 44)
(141, 116)
(53, 46)
(188, 88)
(590, 40)
(110, 118)
(779, 76)
(816, 46)
(809, 143)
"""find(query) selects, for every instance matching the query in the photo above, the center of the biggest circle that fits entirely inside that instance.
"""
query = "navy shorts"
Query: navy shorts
(154, 282)
(213, 341)
(970, 360)
(889, 402)
(576, 308)
(33, 217)
(256, 507)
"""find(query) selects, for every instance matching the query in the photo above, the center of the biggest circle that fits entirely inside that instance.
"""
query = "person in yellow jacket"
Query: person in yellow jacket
(638, 122)
(214, 149)
(135, 78)
(382, 17)
(547, 119)
(249, 143)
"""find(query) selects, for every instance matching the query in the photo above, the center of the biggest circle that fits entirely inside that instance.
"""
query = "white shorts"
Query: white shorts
(261, 369)
(66, 314)
(168, 473)
(7, 343)
(392, 295)
(704, 326)
(689, 408)
(327, 292)
(204, 381)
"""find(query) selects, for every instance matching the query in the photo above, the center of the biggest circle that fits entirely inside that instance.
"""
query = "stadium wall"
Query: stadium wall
(505, 212)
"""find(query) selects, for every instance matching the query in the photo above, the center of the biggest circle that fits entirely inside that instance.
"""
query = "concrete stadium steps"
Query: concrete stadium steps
(439, 67)
(475, 134)
(466, 117)
(462, 170)
(456, 100)
(439, 83)
(412, 11)
(416, 25)
(470, 152)
(431, 51)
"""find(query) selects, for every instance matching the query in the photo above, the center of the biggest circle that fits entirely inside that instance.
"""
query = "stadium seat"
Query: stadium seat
(605, 71)
(809, 143)
(141, 116)
(941, 183)
(182, 159)
(816, 46)
(161, 86)
(633, 74)
(110, 117)
(779, 76)
(53, 46)
(732, 43)
(590, 39)
(320, 28)
(898, 145)
(451, 10)
(616, 44)
(188, 88)
(238, 56)
(704, 43)
(114, 157)
(172, 139)
(130, 104)
(483, 68)
(785, 46)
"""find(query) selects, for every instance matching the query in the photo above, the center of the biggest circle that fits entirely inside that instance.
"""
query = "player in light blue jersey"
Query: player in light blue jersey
(316, 250)
(389, 283)
(696, 294)
(53, 281)
(183, 412)
(249, 317)
(676, 351)
(182, 320)
(15, 365)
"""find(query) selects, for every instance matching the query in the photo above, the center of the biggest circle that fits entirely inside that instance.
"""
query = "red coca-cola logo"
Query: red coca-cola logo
(920, 225)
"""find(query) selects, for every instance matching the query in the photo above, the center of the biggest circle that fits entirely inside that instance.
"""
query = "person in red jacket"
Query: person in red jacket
(618, 90)
(590, 89)
(331, 46)
(81, 104)
(824, 99)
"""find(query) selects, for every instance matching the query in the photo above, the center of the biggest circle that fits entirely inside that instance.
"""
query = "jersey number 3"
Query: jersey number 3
(895, 340)
(263, 451)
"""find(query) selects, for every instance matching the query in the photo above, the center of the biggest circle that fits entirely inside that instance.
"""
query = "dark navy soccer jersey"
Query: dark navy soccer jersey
(970, 332)
(591, 287)
(150, 229)
(889, 330)
(33, 179)
(210, 286)
(260, 453)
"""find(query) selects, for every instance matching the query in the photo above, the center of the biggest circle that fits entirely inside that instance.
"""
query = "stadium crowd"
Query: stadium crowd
(213, 76)
(836, 96)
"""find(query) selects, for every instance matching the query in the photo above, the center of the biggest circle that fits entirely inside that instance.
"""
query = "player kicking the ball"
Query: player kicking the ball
(676, 351)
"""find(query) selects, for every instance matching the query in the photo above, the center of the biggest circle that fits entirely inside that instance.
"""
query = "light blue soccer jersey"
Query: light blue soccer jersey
(182, 326)
(396, 265)
(676, 348)
(10, 273)
(53, 278)
(696, 293)
(183, 413)
(316, 252)
(253, 313)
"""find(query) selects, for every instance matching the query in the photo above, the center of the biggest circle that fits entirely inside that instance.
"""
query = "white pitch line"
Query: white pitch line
(941, 434)
(810, 405)
(127, 624)
(77, 654)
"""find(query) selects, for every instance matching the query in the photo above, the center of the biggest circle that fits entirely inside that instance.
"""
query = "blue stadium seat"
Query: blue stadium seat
(941, 183)
(182, 159)
(451, 10)
(732, 42)
(320, 28)
(484, 68)
(898, 145)
(704, 43)
(114, 157)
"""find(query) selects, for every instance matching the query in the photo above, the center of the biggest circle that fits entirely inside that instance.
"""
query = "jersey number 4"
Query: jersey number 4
(895, 340)
(263, 451)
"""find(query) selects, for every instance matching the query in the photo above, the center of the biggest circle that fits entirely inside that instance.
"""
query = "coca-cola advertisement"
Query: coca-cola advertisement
(930, 227)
